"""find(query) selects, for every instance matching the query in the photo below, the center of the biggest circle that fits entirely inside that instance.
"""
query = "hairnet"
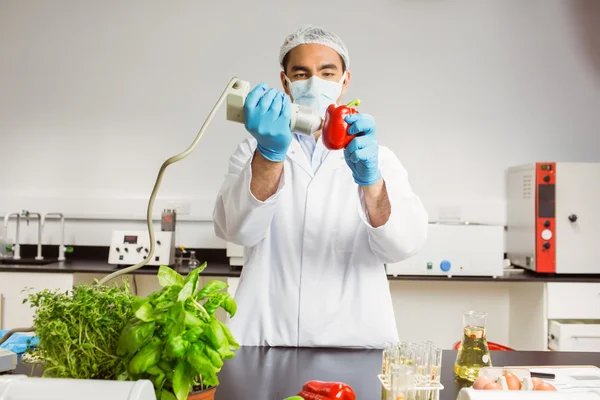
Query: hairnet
(310, 34)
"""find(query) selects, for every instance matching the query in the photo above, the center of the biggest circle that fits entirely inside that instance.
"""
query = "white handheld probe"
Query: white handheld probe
(304, 120)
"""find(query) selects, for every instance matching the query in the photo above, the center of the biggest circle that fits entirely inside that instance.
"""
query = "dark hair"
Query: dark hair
(286, 59)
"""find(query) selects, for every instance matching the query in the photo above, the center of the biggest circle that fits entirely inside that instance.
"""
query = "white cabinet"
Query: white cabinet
(573, 300)
(13, 287)
(574, 335)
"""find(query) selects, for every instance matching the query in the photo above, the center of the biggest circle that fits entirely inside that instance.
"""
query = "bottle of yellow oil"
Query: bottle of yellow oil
(473, 353)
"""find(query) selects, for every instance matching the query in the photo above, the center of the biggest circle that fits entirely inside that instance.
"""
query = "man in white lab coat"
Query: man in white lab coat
(317, 225)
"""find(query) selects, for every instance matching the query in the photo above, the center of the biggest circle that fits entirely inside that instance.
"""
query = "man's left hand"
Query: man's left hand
(362, 154)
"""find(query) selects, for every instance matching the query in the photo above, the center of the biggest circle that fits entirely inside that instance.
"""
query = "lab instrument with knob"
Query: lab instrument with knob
(553, 217)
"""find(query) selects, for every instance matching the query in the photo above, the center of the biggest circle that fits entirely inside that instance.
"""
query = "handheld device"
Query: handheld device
(304, 120)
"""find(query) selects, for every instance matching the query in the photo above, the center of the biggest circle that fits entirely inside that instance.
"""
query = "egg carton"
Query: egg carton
(496, 374)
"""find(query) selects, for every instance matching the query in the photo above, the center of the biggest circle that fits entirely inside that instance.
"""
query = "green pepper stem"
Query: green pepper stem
(354, 103)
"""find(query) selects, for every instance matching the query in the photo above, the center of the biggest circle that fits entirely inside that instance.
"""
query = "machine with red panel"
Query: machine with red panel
(553, 215)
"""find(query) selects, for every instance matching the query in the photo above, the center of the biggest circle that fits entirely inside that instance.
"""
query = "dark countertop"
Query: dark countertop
(102, 267)
(276, 373)
(223, 269)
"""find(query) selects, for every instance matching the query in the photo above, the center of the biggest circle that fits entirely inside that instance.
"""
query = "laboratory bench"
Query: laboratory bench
(224, 269)
(525, 310)
(276, 373)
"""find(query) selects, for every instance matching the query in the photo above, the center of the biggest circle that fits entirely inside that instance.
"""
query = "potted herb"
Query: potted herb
(79, 330)
(174, 339)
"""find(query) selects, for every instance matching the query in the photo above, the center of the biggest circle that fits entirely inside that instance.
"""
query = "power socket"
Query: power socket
(180, 207)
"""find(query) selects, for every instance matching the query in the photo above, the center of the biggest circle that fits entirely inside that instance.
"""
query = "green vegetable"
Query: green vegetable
(79, 331)
(212, 286)
(134, 336)
(147, 357)
(175, 340)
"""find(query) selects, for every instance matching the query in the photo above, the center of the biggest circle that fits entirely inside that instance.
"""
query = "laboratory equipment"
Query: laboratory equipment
(14, 387)
(193, 261)
(168, 221)
(27, 214)
(304, 120)
(131, 247)
(552, 217)
(457, 249)
(16, 249)
(473, 353)
(411, 371)
(61, 246)
(8, 361)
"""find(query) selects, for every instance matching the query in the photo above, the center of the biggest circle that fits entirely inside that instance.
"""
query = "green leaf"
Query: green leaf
(138, 302)
(191, 320)
(176, 320)
(166, 297)
(147, 357)
(158, 381)
(193, 334)
(222, 299)
(214, 357)
(198, 360)
(230, 305)
(188, 291)
(182, 381)
(176, 347)
(145, 313)
(210, 287)
(168, 277)
(215, 334)
(155, 370)
(135, 335)
(166, 395)
(193, 277)
(232, 342)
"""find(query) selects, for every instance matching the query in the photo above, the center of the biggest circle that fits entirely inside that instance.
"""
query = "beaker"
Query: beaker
(473, 353)
(193, 263)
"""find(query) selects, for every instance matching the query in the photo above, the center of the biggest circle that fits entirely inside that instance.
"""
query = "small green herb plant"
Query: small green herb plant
(79, 330)
(174, 339)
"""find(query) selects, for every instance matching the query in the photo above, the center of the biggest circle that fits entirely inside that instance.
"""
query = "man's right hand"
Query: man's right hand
(267, 115)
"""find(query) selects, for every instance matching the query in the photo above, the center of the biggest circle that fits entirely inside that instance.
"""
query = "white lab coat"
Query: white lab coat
(314, 270)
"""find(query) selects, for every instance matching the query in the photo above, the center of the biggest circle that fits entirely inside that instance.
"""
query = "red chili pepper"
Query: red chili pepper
(335, 128)
(327, 391)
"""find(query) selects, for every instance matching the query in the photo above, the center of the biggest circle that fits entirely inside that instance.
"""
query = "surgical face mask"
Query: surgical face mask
(316, 92)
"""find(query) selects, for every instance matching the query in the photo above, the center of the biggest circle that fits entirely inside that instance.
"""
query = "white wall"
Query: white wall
(95, 95)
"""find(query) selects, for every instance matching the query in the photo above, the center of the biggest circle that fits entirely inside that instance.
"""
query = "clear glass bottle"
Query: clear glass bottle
(473, 353)
(193, 263)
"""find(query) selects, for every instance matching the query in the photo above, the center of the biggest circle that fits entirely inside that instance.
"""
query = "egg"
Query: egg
(480, 382)
(536, 381)
(492, 386)
(512, 381)
(545, 386)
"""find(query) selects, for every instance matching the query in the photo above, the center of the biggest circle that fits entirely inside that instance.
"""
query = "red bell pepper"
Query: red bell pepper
(335, 128)
(318, 390)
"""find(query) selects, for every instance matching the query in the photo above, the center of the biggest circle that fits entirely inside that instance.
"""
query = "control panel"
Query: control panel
(132, 247)
(545, 210)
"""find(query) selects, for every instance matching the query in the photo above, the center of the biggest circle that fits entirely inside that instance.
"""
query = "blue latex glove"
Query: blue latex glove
(19, 343)
(267, 116)
(362, 154)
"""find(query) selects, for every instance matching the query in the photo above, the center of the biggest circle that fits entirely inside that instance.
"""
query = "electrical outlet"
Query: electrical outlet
(180, 207)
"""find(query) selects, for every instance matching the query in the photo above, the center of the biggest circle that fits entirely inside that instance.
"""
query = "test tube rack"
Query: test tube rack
(430, 392)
